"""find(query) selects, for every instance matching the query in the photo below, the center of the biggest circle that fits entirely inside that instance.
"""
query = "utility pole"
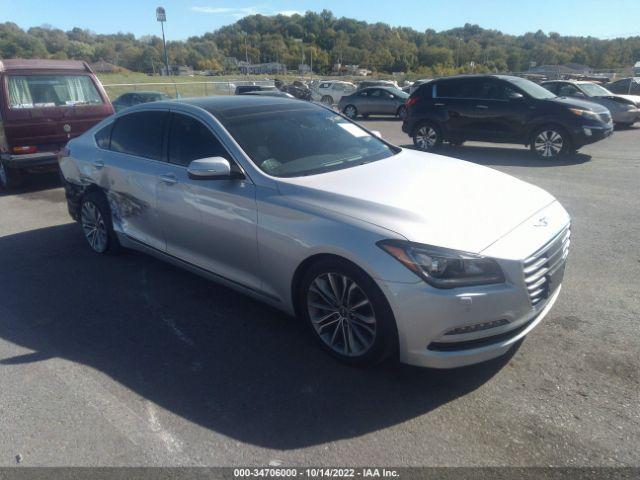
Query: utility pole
(161, 16)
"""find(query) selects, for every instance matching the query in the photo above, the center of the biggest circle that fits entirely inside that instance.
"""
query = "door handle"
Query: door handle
(98, 164)
(439, 104)
(169, 179)
(482, 106)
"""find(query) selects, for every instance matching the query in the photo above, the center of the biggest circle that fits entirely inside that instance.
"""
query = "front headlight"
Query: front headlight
(444, 268)
(585, 113)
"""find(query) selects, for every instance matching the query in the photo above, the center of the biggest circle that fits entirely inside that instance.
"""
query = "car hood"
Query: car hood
(634, 98)
(577, 103)
(426, 198)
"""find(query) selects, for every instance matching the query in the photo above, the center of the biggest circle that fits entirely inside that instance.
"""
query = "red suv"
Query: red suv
(43, 104)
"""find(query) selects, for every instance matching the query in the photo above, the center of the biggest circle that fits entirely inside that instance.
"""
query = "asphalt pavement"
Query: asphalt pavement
(125, 360)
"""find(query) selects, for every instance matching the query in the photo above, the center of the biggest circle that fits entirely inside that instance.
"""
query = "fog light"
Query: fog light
(587, 131)
(477, 327)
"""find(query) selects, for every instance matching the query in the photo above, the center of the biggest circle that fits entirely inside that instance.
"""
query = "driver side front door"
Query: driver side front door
(208, 223)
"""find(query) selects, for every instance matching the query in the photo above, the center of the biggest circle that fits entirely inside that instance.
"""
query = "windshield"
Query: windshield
(304, 141)
(399, 93)
(594, 90)
(532, 89)
(37, 91)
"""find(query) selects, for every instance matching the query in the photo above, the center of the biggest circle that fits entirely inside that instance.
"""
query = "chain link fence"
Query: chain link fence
(182, 89)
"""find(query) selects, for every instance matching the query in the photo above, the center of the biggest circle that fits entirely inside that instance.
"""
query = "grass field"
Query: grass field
(177, 86)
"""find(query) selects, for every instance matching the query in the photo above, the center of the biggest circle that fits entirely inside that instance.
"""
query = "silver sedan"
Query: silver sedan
(374, 101)
(382, 251)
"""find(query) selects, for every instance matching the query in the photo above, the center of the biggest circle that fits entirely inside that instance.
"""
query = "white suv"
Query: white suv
(331, 92)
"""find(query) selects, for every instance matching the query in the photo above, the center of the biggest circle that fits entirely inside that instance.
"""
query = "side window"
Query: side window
(494, 90)
(140, 134)
(375, 93)
(338, 86)
(190, 139)
(468, 88)
(324, 85)
(364, 93)
(552, 87)
(103, 137)
(567, 90)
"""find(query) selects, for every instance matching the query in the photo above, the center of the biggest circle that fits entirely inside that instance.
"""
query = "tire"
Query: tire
(402, 112)
(427, 137)
(351, 111)
(549, 142)
(97, 225)
(10, 177)
(358, 329)
(327, 100)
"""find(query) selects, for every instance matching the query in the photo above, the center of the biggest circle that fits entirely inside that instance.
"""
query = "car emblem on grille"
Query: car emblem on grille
(66, 127)
(542, 222)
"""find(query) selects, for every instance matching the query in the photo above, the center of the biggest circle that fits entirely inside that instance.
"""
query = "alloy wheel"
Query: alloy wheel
(341, 314)
(548, 143)
(350, 111)
(426, 137)
(94, 227)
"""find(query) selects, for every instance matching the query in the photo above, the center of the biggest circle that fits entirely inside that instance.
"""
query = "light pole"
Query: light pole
(161, 16)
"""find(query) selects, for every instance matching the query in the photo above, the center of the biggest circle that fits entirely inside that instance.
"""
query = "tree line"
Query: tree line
(325, 40)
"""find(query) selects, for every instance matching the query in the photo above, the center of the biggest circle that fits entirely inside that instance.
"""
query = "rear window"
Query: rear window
(139, 134)
(40, 91)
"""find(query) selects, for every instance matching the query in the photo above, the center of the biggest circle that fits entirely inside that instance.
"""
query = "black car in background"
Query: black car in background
(135, 98)
(502, 109)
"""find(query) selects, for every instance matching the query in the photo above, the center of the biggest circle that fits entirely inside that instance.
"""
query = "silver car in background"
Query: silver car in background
(374, 101)
(381, 250)
(624, 110)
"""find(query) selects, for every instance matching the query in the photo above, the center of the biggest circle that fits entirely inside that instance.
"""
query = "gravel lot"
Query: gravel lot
(129, 361)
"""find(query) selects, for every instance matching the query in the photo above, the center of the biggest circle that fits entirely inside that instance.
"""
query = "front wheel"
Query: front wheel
(550, 142)
(347, 313)
(327, 100)
(427, 137)
(95, 219)
(350, 111)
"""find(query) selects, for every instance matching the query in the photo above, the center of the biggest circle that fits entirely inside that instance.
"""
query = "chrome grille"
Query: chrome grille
(540, 265)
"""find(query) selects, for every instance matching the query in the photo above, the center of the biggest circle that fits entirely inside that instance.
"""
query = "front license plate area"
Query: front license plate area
(555, 278)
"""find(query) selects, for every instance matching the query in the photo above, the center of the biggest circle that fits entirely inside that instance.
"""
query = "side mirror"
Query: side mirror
(213, 168)
(377, 133)
(516, 96)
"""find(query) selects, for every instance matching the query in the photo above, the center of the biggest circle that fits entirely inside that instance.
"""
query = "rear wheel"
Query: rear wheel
(350, 111)
(550, 142)
(95, 219)
(10, 177)
(427, 137)
(347, 313)
(327, 100)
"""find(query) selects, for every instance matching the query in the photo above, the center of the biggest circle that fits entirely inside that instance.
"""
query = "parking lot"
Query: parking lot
(126, 360)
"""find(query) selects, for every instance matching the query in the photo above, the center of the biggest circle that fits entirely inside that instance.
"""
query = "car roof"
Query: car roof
(7, 65)
(240, 105)
(479, 76)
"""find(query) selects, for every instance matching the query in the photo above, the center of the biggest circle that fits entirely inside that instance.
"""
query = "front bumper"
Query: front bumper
(30, 160)
(586, 134)
(628, 116)
(441, 328)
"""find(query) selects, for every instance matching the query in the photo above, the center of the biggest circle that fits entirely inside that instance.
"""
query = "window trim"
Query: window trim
(477, 99)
